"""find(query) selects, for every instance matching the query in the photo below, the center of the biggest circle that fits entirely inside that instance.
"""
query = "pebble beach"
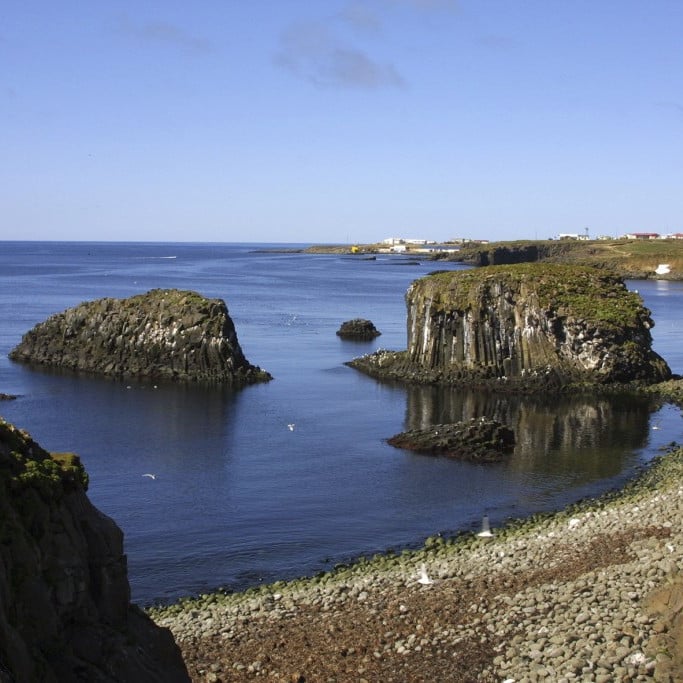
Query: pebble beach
(586, 594)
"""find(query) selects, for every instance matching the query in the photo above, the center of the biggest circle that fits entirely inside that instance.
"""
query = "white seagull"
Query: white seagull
(290, 426)
(151, 476)
(485, 528)
(424, 577)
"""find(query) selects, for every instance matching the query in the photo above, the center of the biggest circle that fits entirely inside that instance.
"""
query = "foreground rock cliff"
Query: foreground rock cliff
(65, 612)
(527, 326)
(163, 334)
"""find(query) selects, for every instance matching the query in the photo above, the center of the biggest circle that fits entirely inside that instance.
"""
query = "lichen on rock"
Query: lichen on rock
(163, 334)
(523, 326)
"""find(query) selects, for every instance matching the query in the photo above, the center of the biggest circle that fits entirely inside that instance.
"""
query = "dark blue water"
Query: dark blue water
(238, 497)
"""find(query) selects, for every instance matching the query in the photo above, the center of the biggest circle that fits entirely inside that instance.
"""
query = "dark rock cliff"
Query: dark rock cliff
(163, 334)
(65, 612)
(525, 326)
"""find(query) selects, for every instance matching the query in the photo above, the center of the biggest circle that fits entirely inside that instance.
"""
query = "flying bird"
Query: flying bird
(291, 426)
(151, 476)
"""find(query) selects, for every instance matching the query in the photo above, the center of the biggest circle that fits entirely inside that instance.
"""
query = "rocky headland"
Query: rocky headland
(65, 611)
(165, 334)
(638, 259)
(523, 327)
(630, 258)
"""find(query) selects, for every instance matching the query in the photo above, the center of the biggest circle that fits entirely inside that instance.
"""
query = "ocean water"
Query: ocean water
(241, 499)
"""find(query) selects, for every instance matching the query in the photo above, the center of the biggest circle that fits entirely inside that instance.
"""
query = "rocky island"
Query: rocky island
(523, 327)
(163, 334)
(358, 329)
(65, 611)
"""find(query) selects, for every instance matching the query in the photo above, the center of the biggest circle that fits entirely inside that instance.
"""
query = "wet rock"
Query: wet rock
(477, 440)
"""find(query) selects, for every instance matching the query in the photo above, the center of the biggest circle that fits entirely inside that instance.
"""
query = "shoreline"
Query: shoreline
(558, 596)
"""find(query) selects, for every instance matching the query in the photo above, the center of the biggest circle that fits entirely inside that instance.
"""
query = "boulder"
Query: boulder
(65, 611)
(476, 440)
(358, 329)
(527, 326)
(163, 334)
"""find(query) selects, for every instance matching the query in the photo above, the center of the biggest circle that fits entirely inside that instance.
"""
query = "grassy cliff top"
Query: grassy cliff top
(569, 290)
(23, 463)
(630, 258)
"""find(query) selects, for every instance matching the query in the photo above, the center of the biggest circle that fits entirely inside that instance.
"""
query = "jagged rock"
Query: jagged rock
(358, 329)
(65, 612)
(163, 334)
(666, 647)
(7, 397)
(528, 326)
(477, 440)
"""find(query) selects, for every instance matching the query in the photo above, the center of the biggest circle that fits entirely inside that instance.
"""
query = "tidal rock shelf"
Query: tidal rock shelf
(527, 326)
(163, 334)
(476, 440)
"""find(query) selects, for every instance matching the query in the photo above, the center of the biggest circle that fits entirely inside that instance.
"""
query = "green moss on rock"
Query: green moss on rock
(523, 327)
(581, 291)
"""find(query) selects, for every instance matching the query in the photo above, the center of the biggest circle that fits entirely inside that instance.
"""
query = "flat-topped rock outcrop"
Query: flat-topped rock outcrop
(65, 611)
(527, 326)
(163, 334)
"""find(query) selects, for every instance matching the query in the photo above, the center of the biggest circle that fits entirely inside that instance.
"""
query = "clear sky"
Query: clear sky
(339, 120)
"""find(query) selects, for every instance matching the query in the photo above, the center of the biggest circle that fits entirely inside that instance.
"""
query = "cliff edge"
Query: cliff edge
(65, 612)
(163, 334)
(526, 326)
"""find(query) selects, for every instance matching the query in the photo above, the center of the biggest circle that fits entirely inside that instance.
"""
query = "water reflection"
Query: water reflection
(588, 437)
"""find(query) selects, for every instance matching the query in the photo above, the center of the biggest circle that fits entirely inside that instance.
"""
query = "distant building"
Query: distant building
(406, 240)
(676, 236)
(642, 235)
(571, 236)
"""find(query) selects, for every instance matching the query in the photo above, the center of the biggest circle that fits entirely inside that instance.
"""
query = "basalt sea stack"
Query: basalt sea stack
(65, 611)
(527, 327)
(163, 334)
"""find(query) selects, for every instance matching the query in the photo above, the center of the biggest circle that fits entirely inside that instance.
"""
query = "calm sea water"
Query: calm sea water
(239, 498)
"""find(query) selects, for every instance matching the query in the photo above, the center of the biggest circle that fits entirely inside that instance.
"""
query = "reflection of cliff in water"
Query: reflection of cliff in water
(584, 435)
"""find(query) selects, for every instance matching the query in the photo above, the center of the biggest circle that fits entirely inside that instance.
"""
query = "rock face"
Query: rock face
(163, 334)
(476, 440)
(526, 326)
(666, 603)
(65, 612)
(358, 329)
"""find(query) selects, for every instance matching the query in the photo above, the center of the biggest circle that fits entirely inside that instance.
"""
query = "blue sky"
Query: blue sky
(339, 121)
